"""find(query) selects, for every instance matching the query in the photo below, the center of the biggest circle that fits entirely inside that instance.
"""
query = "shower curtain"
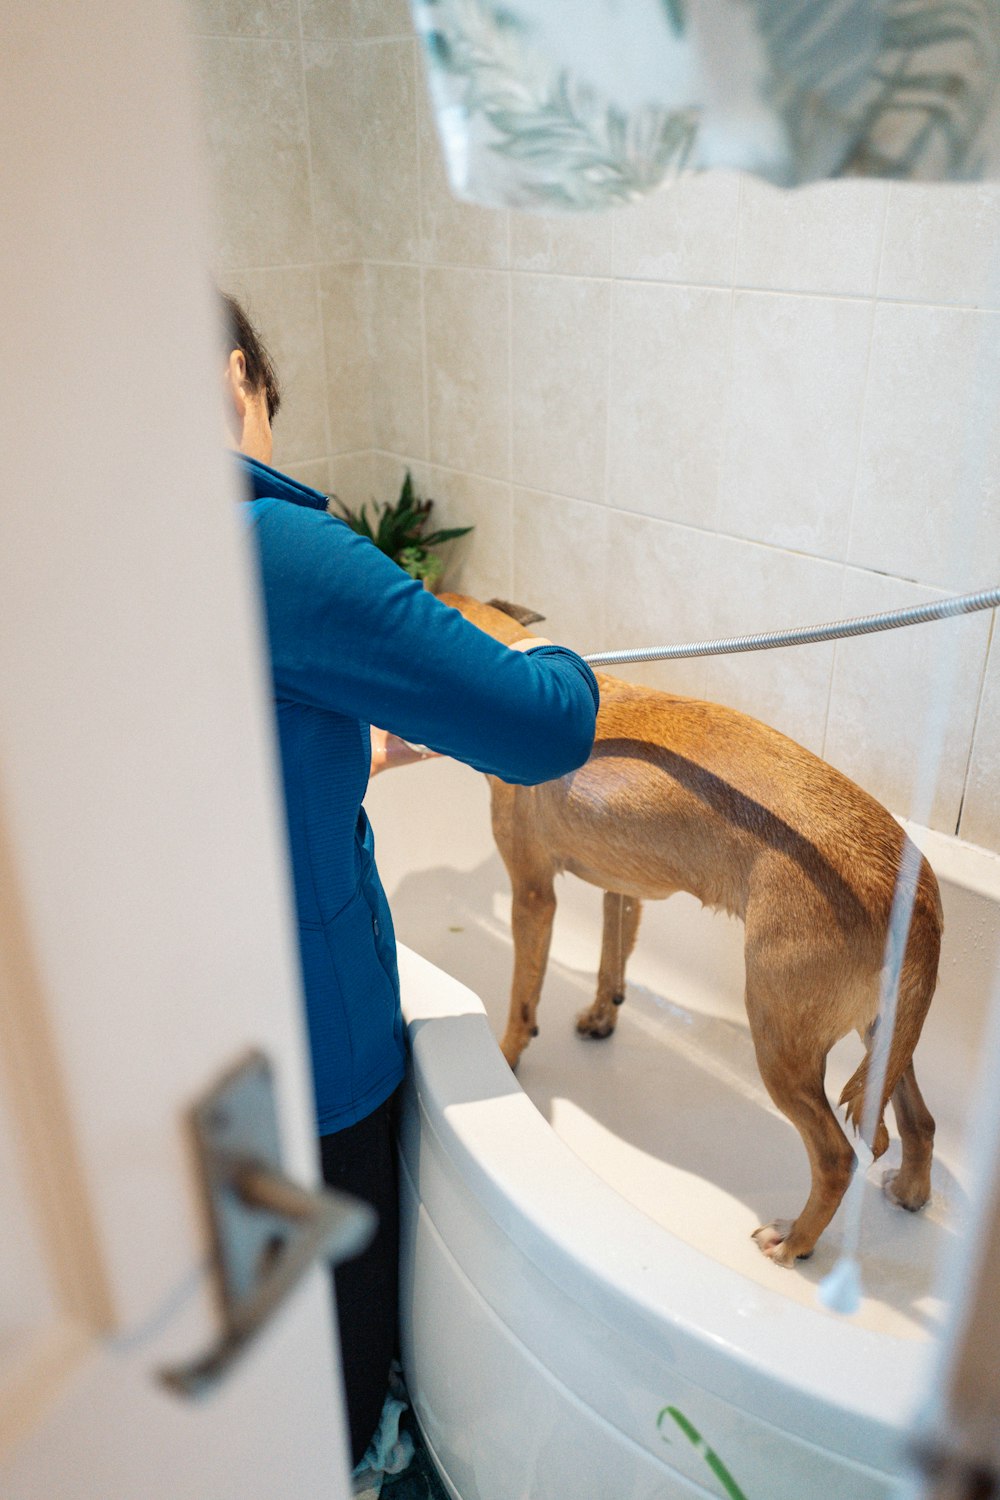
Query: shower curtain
(582, 104)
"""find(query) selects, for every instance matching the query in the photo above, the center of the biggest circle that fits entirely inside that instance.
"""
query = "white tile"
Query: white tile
(685, 232)
(337, 165)
(396, 324)
(388, 471)
(283, 305)
(379, 18)
(942, 243)
(327, 20)
(482, 563)
(262, 18)
(798, 376)
(927, 503)
(453, 232)
(350, 478)
(821, 238)
(561, 566)
(981, 809)
(760, 589)
(467, 321)
(348, 357)
(387, 126)
(356, 19)
(569, 244)
(315, 472)
(254, 120)
(559, 383)
(667, 400)
(659, 593)
(903, 703)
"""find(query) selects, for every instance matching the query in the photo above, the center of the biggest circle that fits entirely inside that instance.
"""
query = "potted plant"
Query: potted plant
(399, 529)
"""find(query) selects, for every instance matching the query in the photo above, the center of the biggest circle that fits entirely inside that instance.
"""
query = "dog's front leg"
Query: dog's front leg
(621, 924)
(532, 878)
(533, 910)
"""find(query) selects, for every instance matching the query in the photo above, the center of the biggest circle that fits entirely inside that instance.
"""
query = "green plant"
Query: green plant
(399, 529)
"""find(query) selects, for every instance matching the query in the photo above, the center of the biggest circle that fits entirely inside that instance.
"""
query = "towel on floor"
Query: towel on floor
(390, 1450)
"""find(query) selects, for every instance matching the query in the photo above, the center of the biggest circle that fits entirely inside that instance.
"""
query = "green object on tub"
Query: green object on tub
(713, 1460)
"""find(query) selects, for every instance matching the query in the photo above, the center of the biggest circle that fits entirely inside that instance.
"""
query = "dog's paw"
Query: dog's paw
(772, 1241)
(770, 1237)
(595, 1025)
(512, 1054)
(911, 1199)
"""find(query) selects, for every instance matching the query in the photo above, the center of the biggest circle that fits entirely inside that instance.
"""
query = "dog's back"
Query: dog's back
(743, 801)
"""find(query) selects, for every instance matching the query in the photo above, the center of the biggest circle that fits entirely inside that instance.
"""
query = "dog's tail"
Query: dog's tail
(853, 1096)
(917, 983)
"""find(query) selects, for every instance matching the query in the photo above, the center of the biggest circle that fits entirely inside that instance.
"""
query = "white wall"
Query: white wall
(724, 409)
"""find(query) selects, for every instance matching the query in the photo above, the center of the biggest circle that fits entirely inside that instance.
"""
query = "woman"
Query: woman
(355, 641)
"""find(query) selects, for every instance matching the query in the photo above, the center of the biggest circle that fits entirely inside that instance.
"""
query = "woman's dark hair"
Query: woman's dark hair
(260, 369)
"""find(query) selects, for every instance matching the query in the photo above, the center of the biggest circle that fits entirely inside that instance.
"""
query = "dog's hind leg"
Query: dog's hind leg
(621, 924)
(910, 1185)
(793, 1072)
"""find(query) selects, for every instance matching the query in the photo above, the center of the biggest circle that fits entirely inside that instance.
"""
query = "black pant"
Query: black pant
(362, 1160)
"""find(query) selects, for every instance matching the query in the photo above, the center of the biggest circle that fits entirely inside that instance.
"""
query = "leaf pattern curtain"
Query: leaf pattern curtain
(581, 104)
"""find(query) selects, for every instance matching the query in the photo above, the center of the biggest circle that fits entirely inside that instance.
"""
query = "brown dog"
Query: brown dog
(680, 795)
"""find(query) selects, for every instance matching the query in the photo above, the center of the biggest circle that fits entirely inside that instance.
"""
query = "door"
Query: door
(145, 937)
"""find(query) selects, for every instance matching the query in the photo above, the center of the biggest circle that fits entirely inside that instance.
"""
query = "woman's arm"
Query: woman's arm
(351, 632)
(390, 752)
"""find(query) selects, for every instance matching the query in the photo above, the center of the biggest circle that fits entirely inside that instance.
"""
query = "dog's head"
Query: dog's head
(506, 622)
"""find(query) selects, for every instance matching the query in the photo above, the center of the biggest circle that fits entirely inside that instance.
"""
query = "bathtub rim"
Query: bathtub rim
(957, 862)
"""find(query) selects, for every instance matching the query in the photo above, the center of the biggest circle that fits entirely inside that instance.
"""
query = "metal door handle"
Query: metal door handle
(267, 1230)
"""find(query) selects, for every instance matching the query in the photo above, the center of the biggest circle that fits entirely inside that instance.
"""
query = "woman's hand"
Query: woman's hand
(528, 642)
(389, 751)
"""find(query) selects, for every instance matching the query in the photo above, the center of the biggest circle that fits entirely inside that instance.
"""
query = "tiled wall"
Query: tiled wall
(280, 113)
(722, 410)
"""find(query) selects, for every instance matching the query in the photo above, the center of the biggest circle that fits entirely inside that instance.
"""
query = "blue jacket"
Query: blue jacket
(354, 641)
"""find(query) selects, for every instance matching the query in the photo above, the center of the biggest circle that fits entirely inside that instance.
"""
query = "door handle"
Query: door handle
(267, 1230)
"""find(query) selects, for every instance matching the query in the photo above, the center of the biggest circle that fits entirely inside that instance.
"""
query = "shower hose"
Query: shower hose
(805, 635)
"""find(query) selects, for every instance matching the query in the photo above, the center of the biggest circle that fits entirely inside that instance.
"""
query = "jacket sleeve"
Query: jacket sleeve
(350, 632)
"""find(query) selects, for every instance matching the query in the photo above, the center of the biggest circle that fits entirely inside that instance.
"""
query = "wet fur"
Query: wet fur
(681, 795)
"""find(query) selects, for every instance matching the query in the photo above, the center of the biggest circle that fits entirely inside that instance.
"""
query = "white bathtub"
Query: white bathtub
(585, 1314)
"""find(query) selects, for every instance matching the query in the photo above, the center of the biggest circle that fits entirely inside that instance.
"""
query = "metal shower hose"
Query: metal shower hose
(805, 635)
